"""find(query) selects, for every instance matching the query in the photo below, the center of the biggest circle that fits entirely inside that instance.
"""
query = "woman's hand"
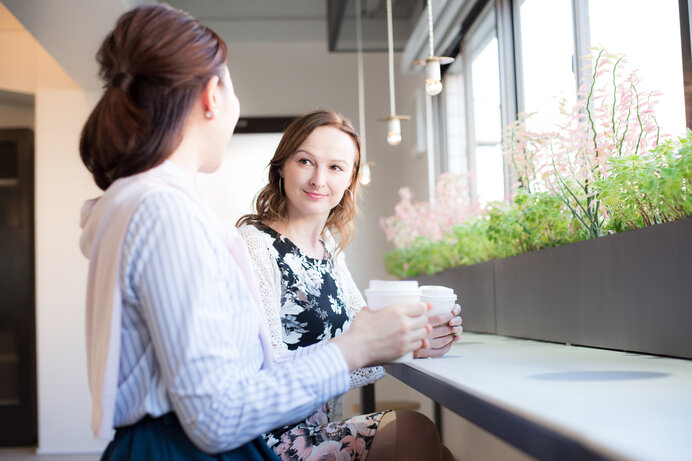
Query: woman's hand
(446, 331)
(380, 336)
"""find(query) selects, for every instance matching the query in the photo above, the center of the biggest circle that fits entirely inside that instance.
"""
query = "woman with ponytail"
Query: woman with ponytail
(179, 359)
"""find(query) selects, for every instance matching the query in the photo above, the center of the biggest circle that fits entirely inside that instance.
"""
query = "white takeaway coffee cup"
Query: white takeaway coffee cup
(441, 299)
(383, 293)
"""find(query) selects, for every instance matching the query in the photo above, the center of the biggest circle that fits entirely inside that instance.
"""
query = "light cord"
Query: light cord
(361, 84)
(390, 40)
(430, 29)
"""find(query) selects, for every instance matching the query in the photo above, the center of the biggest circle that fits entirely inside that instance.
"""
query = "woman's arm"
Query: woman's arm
(263, 257)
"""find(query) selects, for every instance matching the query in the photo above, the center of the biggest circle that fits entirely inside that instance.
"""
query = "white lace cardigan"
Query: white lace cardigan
(264, 256)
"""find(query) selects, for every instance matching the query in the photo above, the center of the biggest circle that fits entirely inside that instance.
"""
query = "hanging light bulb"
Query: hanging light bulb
(365, 174)
(433, 79)
(393, 131)
(393, 121)
(433, 75)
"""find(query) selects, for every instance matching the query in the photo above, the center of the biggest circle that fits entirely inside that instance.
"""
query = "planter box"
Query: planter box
(630, 291)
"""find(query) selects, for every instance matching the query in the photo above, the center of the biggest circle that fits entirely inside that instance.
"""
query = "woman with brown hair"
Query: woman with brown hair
(179, 360)
(308, 293)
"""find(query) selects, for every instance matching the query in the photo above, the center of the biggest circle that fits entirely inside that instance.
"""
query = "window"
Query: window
(474, 126)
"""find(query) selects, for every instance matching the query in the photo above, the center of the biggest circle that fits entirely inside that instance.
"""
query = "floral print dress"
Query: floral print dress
(313, 310)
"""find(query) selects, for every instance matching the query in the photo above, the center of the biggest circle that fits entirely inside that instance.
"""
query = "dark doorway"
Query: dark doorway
(17, 300)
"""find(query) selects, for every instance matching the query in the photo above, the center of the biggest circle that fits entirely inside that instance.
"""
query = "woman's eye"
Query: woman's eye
(304, 161)
(337, 168)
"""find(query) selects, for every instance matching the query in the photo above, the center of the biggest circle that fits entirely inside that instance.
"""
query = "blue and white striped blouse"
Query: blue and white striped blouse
(190, 336)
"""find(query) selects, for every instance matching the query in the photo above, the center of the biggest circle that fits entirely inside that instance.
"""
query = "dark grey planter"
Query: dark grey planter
(630, 291)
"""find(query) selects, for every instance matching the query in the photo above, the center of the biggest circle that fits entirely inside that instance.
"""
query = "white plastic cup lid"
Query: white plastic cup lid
(393, 285)
(437, 292)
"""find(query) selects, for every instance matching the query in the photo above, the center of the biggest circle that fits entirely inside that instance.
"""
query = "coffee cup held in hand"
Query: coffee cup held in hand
(383, 293)
(442, 299)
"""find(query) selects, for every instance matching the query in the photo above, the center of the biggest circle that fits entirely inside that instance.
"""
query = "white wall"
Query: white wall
(232, 188)
(62, 184)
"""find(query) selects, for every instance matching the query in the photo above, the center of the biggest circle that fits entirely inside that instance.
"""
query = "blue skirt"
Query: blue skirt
(163, 439)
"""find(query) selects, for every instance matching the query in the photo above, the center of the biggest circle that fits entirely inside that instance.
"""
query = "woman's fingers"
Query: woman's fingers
(441, 319)
(432, 351)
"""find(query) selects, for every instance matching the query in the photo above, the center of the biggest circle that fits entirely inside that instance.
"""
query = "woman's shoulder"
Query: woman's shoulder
(256, 236)
(248, 230)
(254, 230)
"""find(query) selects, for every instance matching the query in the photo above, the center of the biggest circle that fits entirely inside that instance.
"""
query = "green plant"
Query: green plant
(531, 222)
(651, 188)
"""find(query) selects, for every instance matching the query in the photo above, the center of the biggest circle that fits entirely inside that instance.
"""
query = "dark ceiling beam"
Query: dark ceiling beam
(335, 17)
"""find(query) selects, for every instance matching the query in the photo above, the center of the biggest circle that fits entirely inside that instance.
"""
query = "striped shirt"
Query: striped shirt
(190, 336)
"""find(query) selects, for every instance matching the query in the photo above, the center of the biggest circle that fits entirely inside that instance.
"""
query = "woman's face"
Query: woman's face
(316, 176)
(224, 121)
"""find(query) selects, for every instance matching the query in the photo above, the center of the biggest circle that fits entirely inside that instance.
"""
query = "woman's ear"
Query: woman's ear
(210, 99)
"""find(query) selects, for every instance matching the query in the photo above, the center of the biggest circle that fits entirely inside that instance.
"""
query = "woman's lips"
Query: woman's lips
(314, 195)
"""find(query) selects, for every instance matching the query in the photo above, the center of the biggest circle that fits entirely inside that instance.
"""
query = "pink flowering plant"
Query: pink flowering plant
(611, 118)
(432, 236)
(602, 168)
(433, 221)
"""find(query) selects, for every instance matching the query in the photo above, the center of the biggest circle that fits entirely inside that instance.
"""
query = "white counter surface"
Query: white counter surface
(608, 404)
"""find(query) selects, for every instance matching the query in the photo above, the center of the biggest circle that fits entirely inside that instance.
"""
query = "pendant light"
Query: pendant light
(433, 75)
(394, 120)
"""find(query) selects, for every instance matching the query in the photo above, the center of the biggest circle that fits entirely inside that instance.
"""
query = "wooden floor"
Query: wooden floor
(29, 454)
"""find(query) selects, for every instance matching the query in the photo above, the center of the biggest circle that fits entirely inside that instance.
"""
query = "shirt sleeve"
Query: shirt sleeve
(205, 334)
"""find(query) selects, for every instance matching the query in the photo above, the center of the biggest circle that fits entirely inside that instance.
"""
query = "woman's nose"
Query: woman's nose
(317, 179)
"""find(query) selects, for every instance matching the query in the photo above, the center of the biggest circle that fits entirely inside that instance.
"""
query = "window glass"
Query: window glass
(648, 34)
(484, 70)
(455, 113)
(547, 52)
(473, 118)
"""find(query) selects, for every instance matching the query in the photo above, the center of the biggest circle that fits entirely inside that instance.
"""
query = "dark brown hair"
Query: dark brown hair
(155, 64)
(271, 204)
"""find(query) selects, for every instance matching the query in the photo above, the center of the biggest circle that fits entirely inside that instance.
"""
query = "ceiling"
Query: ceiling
(72, 30)
(331, 21)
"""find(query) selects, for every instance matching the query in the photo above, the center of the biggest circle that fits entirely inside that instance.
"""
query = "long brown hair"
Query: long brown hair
(155, 64)
(271, 204)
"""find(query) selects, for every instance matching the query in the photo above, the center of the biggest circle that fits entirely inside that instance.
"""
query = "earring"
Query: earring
(352, 198)
(281, 185)
(209, 114)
